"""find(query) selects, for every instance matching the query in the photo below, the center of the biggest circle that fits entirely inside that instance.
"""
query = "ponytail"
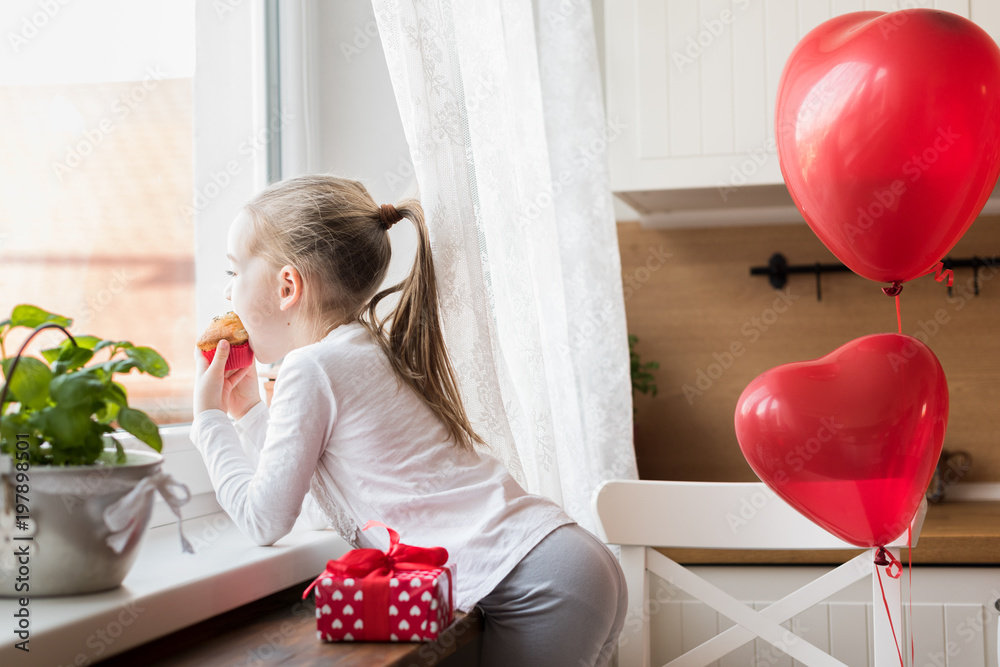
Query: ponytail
(411, 335)
(335, 234)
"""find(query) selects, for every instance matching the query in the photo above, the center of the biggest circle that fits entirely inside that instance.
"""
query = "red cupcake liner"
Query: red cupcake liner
(240, 356)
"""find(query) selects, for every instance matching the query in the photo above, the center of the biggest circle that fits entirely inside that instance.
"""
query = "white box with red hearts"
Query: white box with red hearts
(407, 606)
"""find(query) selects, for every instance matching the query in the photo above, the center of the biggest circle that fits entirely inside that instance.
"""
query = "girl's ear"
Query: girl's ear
(289, 286)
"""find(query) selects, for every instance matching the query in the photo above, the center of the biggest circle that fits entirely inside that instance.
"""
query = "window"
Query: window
(96, 179)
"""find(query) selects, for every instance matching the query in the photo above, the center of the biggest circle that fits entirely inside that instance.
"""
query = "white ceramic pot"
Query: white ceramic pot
(69, 552)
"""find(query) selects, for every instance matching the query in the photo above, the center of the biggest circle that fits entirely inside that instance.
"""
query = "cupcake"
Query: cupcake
(230, 328)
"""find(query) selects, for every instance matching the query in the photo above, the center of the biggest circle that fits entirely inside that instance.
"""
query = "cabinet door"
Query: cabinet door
(692, 84)
(987, 14)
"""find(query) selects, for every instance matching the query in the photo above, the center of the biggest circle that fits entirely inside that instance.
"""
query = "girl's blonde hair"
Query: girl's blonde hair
(330, 230)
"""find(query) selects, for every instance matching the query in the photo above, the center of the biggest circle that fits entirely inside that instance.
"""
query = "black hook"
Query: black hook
(777, 270)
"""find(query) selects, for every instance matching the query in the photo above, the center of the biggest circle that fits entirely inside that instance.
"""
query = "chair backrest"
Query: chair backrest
(707, 515)
(638, 515)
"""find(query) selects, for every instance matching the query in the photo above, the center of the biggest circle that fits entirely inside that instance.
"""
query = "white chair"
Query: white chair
(641, 515)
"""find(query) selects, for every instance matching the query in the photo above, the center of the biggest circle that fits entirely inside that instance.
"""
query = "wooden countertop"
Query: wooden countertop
(954, 533)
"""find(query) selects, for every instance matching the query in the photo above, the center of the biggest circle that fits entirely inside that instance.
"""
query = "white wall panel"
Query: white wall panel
(699, 623)
(658, 58)
(684, 87)
(849, 633)
(717, 102)
(965, 643)
(750, 119)
(928, 633)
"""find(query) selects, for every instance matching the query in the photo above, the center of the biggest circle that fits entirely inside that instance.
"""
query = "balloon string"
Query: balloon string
(887, 614)
(941, 273)
(899, 318)
(909, 567)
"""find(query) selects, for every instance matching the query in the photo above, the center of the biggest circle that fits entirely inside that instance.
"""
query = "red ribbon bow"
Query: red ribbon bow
(374, 568)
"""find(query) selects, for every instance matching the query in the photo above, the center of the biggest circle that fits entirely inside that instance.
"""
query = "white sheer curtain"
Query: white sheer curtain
(502, 109)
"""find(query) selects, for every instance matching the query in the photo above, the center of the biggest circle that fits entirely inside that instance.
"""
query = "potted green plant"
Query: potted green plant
(73, 502)
(643, 380)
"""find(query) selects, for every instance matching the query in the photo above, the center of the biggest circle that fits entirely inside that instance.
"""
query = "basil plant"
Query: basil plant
(64, 406)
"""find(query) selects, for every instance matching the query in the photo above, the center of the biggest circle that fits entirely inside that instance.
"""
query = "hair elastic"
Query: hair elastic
(389, 216)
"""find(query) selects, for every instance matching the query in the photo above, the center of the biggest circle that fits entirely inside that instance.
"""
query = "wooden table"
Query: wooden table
(954, 533)
(281, 630)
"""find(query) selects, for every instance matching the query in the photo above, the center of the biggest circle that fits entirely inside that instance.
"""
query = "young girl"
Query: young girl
(366, 417)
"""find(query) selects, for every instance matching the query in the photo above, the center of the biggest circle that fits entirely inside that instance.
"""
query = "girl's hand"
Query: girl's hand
(245, 392)
(215, 388)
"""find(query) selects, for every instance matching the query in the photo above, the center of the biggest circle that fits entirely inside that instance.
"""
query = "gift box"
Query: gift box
(400, 595)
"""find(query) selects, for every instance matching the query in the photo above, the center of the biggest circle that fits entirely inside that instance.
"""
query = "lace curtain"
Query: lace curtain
(502, 109)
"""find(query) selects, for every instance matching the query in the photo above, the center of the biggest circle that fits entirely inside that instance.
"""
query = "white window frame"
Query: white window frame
(229, 122)
(227, 570)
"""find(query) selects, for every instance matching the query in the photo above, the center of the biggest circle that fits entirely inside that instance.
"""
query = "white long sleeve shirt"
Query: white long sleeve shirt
(343, 427)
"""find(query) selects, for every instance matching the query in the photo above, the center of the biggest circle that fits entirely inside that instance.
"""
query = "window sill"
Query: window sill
(167, 590)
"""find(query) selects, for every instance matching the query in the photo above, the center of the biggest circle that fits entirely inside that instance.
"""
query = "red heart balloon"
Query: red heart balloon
(888, 135)
(850, 440)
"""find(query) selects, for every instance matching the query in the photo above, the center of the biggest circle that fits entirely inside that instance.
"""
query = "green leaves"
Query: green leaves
(66, 407)
(643, 380)
(79, 388)
(149, 361)
(141, 426)
(30, 383)
(33, 316)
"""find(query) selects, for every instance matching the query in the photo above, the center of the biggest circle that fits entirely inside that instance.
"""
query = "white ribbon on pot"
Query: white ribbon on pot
(122, 516)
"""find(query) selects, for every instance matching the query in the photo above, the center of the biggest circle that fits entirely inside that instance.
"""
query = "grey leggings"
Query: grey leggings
(563, 605)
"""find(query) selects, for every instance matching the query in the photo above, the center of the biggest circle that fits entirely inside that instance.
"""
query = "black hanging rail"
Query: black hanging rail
(778, 269)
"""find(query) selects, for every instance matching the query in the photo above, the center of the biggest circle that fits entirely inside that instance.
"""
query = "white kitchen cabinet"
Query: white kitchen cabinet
(954, 619)
(693, 84)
